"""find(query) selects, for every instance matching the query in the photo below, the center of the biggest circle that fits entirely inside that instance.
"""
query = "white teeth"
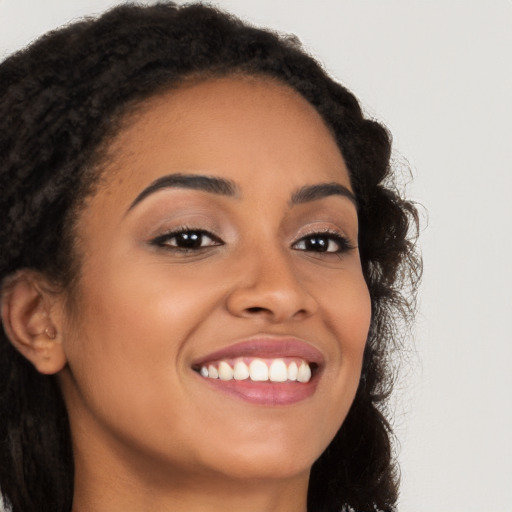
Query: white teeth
(225, 371)
(258, 370)
(304, 373)
(293, 371)
(278, 371)
(212, 372)
(240, 371)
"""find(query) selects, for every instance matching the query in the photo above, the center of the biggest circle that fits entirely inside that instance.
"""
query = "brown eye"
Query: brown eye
(187, 240)
(323, 242)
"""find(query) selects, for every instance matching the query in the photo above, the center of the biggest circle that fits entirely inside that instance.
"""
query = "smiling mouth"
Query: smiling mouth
(266, 371)
(259, 370)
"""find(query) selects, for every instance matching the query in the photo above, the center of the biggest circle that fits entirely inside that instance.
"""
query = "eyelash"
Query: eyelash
(321, 239)
(343, 243)
(195, 233)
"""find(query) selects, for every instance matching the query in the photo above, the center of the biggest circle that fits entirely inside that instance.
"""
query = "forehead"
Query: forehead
(245, 129)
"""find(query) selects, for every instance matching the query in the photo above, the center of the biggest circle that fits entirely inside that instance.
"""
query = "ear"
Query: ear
(30, 319)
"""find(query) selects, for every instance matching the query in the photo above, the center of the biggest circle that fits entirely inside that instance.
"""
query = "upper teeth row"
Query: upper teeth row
(258, 371)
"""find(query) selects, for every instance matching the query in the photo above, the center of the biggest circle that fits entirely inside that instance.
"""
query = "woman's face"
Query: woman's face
(222, 239)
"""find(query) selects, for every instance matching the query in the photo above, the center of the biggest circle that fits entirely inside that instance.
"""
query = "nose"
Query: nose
(268, 286)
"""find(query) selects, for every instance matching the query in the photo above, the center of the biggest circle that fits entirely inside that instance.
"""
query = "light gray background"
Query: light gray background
(438, 73)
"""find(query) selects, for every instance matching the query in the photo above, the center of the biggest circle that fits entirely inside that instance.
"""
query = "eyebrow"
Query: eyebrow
(210, 184)
(314, 192)
(224, 187)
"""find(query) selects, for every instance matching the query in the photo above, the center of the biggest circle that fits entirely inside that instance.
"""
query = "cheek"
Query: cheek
(345, 304)
(354, 325)
(124, 351)
(354, 317)
(135, 318)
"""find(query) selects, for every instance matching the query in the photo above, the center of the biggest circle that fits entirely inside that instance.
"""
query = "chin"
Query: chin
(270, 459)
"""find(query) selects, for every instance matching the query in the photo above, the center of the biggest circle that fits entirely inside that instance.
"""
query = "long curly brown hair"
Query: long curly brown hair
(61, 101)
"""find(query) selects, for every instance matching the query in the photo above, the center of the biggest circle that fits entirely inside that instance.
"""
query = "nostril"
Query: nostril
(256, 309)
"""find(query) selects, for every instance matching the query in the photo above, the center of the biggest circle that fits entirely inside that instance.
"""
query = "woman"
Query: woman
(202, 267)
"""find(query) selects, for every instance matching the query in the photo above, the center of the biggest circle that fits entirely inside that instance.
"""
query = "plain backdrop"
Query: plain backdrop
(439, 75)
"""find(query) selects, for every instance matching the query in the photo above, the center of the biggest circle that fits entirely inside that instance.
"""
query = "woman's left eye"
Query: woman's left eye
(187, 240)
(323, 242)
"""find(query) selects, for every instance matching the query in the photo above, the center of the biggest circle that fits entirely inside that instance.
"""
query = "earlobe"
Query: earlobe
(28, 316)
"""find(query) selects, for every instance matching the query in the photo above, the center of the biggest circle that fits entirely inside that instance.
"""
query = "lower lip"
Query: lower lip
(265, 393)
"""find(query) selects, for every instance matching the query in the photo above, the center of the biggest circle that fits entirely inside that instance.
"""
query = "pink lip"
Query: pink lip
(266, 348)
(266, 393)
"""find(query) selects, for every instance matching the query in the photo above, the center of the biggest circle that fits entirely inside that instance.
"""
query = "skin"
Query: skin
(148, 432)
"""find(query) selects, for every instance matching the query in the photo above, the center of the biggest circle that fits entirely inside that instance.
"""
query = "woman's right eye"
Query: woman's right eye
(186, 240)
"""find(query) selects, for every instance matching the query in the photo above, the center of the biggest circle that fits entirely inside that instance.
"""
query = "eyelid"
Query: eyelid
(174, 232)
(344, 242)
(313, 229)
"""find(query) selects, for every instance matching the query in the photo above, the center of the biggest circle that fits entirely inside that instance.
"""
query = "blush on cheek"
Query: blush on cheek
(355, 313)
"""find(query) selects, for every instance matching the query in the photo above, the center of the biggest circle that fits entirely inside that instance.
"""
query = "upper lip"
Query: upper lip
(266, 347)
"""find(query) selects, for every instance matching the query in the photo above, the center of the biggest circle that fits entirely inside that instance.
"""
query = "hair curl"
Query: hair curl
(61, 101)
